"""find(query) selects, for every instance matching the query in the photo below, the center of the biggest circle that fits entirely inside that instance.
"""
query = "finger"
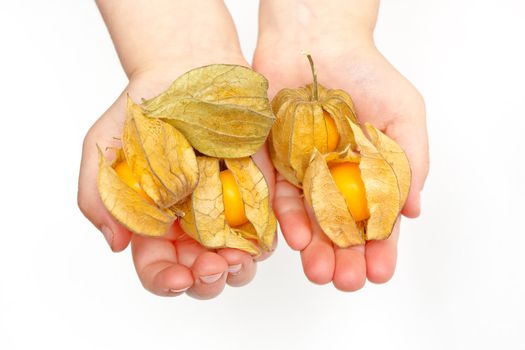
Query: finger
(290, 212)
(350, 268)
(241, 266)
(381, 257)
(209, 273)
(187, 248)
(411, 134)
(89, 202)
(209, 270)
(155, 260)
(318, 257)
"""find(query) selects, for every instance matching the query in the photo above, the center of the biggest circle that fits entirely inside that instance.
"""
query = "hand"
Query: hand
(383, 97)
(156, 44)
(175, 263)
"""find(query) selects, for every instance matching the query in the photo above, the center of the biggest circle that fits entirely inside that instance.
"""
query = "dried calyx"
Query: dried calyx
(149, 174)
(205, 215)
(223, 110)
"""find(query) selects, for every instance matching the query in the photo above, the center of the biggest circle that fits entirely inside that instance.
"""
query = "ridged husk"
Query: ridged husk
(256, 197)
(382, 191)
(204, 217)
(300, 127)
(386, 176)
(162, 159)
(328, 203)
(127, 206)
(395, 156)
(223, 110)
(165, 166)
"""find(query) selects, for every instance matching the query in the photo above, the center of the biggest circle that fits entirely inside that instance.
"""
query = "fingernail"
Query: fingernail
(173, 290)
(234, 269)
(108, 234)
(211, 278)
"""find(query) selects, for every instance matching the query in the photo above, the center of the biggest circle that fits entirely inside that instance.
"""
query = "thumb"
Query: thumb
(89, 202)
(411, 135)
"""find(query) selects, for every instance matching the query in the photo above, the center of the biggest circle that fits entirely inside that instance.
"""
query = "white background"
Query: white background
(459, 282)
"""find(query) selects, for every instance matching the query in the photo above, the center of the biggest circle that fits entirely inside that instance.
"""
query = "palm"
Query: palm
(382, 97)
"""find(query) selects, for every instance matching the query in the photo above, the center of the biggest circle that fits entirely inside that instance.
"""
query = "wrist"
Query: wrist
(150, 79)
(330, 26)
(167, 32)
(169, 68)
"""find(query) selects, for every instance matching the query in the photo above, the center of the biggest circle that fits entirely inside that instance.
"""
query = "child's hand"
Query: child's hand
(171, 264)
(345, 58)
(156, 44)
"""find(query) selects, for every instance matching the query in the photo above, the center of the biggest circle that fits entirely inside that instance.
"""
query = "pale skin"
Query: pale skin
(157, 41)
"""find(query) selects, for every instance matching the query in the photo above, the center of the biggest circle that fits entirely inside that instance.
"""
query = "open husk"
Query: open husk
(161, 157)
(386, 176)
(127, 206)
(204, 217)
(164, 165)
(328, 203)
(256, 197)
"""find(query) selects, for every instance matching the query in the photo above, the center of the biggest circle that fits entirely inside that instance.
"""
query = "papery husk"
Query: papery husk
(328, 204)
(386, 176)
(395, 156)
(204, 219)
(300, 127)
(382, 191)
(161, 158)
(223, 110)
(126, 205)
(256, 197)
(279, 139)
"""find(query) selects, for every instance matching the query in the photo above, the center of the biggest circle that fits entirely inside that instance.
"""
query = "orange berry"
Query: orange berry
(233, 203)
(347, 177)
(331, 129)
(126, 175)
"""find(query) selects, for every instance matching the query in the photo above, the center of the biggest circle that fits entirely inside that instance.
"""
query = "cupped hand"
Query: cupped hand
(383, 97)
(175, 263)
